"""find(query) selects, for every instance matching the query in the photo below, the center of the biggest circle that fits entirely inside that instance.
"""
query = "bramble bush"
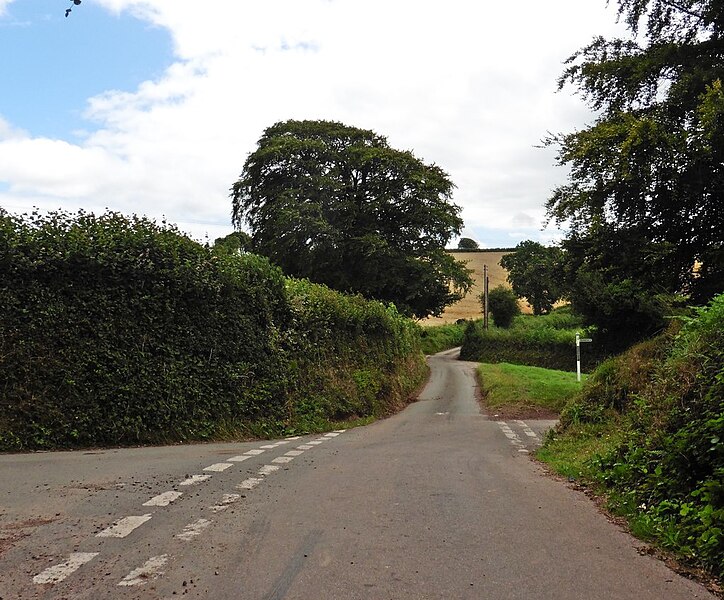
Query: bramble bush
(115, 330)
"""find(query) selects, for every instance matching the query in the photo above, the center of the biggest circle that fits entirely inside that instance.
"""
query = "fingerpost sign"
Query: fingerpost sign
(579, 341)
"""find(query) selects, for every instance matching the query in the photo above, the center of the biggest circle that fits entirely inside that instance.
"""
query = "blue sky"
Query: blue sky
(151, 106)
(54, 64)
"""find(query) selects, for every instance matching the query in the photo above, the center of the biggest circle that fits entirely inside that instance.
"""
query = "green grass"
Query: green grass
(574, 454)
(441, 337)
(518, 388)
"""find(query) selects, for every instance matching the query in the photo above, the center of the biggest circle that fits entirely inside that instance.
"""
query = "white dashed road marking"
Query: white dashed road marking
(195, 479)
(527, 430)
(225, 502)
(241, 458)
(513, 437)
(268, 469)
(218, 467)
(164, 499)
(122, 528)
(152, 568)
(193, 529)
(283, 459)
(59, 572)
(148, 571)
(249, 484)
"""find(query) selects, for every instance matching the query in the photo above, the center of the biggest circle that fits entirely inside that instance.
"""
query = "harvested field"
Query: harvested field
(469, 307)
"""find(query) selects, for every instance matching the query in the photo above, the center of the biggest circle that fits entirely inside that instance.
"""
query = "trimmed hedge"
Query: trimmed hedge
(547, 341)
(114, 330)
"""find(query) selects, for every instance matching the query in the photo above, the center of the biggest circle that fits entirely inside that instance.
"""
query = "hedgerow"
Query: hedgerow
(547, 341)
(665, 471)
(115, 330)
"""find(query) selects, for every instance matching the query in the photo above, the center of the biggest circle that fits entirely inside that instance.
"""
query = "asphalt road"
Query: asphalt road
(438, 501)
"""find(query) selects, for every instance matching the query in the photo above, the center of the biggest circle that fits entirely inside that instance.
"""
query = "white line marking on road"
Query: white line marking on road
(126, 525)
(282, 442)
(282, 459)
(331, 434)
(296, 437)
(59, 572)
(146, 572)
(218, 467)
(339, 430)
(315, 443)
(294, 453)
(249, 484)
(255, 452)
(511, 435)
(305, 447)
(268, 470)
(527, 430)
(193, 529)
(269, 446)
(320, 440)
(163, 499)
(240, 458)
(195, 479)
(226, 500)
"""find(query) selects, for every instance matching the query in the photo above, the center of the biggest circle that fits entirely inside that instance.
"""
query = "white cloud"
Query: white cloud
(3, 6)
(469, 88)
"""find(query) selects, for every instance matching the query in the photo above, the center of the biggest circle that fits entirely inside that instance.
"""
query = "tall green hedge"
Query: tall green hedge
(547, 341)
(114, 330)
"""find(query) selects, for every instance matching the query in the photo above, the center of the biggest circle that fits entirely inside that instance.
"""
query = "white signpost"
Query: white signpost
(579, 341)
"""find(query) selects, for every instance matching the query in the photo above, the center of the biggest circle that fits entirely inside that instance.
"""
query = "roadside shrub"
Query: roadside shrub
(503, 304)
(437, 338)
(666, 473)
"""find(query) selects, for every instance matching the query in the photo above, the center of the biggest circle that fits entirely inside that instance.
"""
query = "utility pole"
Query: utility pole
(485, 297)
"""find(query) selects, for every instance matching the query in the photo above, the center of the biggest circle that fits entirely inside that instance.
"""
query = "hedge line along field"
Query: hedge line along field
(117, 331)
(547, 341)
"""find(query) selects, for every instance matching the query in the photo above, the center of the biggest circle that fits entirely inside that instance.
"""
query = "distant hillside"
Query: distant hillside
(469, 307)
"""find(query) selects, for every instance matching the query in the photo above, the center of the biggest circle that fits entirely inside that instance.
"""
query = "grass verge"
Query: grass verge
(522, 391)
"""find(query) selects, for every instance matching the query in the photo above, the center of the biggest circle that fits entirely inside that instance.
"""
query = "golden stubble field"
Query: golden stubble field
(469, 307)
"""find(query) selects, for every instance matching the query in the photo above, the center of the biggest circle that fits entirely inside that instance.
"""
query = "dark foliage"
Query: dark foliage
(339, 206)
(649, 173)
(118, 331)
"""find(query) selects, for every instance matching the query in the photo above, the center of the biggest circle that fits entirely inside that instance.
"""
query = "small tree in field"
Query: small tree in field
(468, 244)
(503, 304)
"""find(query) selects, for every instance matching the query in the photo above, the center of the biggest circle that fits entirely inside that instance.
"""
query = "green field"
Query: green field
(518, 390)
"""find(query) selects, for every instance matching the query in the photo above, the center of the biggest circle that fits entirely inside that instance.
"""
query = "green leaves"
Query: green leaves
(336, 204)
(652, 166)
(114, 330)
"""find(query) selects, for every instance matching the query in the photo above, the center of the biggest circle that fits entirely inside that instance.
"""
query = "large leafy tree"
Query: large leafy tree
(534, 272)
(336, 204)
(647, 177)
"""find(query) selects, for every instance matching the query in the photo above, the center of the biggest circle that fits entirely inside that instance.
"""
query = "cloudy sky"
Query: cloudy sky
(151, 106)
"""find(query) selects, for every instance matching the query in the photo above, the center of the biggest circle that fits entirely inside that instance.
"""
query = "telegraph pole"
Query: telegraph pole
(485, 297)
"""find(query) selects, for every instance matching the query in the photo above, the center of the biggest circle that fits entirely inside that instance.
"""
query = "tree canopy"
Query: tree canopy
(468, 244)
(650, 169)
(534, 273)
(336, 204)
